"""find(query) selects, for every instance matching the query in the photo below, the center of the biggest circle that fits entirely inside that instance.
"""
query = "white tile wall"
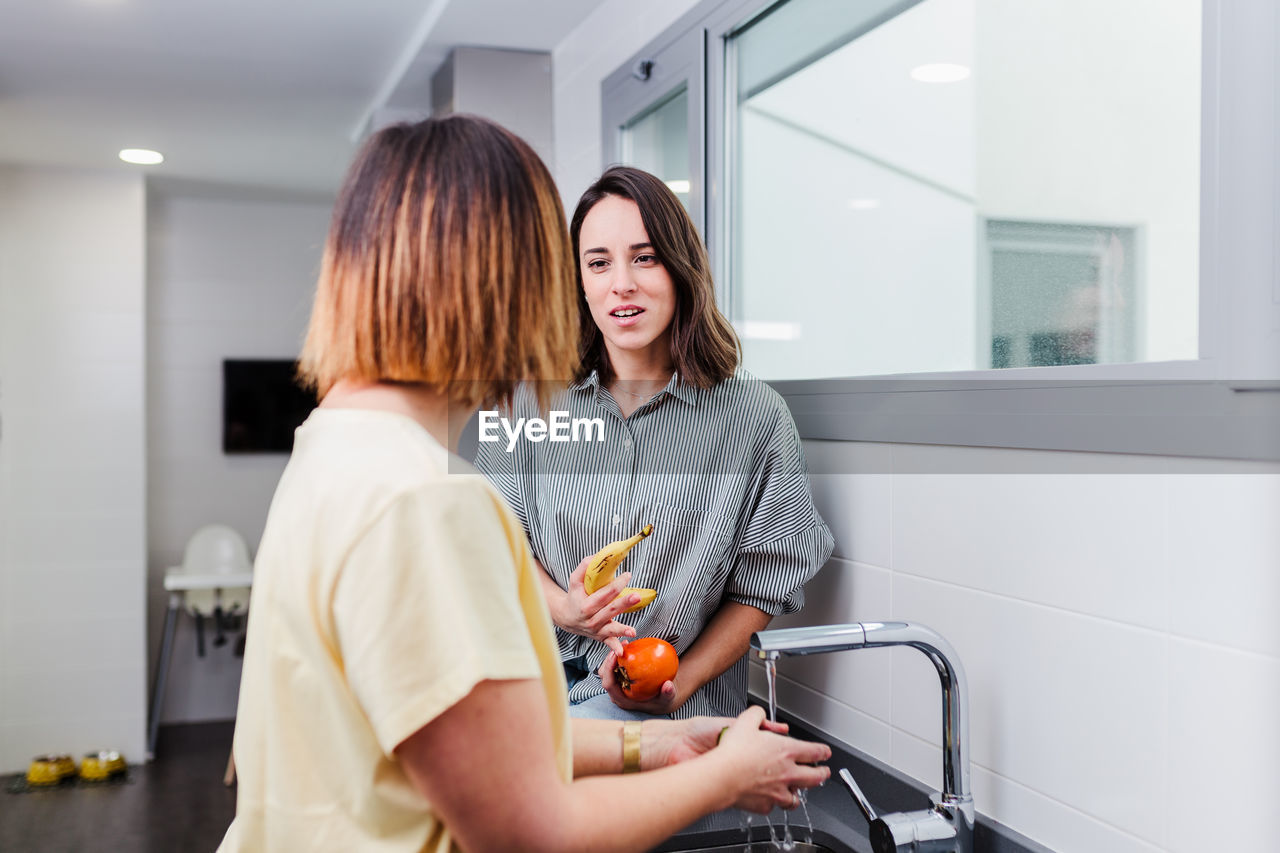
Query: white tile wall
(858, 505)
(1068, 705)
(72, 463)
(1224, 748)
(846, 592)
(1092, 544)
(227, 278)
(1056, 824)
(1224, 588)
(1095, 726)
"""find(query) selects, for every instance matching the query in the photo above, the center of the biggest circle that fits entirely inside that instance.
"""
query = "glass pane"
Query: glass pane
(658, 142)
(965, 184)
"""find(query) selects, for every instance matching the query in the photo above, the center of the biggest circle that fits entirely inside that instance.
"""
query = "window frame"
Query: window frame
(631, 92)
(1235, 381)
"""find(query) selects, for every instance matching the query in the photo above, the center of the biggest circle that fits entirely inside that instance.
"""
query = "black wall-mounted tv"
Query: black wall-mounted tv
(262, 404)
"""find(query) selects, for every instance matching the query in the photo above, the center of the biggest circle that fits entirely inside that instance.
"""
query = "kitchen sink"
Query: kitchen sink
(763, 846)
(735, 841)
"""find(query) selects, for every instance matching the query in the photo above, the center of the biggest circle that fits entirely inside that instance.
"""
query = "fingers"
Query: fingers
(756, 805)
(605, 596)
(750, 718)
(594, 614)
(615, 645)
(605, 672)
(576, 576)
(615, 629)
(808, 752)
(619, 604)
(594, 607)
(602, 626)
(810, 777)
(609, 681)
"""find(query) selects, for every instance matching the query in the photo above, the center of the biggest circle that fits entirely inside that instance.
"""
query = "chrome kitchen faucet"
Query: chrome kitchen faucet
(948, 826)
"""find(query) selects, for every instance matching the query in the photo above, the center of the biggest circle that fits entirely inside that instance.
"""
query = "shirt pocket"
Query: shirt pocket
(687, 561)
(691, 535)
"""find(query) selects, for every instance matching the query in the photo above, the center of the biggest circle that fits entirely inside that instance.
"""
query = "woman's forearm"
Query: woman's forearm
(500, 790)
(721, 644)
(597, 744)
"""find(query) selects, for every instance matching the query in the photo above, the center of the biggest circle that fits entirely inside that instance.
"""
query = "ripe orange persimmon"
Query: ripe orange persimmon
(646, 664)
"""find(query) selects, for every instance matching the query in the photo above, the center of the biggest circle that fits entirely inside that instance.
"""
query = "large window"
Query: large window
(658, 142)
(1012, 223)
(965, 184)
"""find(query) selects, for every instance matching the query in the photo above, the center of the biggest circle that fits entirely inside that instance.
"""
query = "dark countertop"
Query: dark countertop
(837, 823)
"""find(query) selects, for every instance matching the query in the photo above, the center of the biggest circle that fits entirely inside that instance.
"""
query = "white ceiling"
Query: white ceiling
(263, 93)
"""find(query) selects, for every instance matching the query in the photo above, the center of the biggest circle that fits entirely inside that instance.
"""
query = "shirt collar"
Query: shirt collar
(677, 387)
(683, 391)
(591, 380)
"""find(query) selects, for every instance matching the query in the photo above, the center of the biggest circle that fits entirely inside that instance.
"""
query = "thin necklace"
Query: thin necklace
(632, 394)
(635, 396)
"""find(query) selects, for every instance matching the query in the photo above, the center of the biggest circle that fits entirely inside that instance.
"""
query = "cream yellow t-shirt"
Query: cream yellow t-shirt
(385, 589)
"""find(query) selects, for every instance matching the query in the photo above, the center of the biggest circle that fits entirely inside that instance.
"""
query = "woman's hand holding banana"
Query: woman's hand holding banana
(595, 596)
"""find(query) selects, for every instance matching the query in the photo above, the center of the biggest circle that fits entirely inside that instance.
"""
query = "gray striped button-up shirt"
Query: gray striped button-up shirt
(720, 475)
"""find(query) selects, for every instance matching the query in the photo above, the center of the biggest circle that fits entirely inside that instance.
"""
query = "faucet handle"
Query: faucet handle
(932, 830)
(864, 805)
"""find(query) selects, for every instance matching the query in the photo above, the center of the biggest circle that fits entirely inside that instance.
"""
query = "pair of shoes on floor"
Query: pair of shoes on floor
(55, 769)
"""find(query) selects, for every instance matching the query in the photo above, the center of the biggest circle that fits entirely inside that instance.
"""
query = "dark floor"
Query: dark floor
(175, 804)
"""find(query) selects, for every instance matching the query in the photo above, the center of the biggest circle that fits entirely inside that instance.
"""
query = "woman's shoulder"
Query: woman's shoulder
(380, 456)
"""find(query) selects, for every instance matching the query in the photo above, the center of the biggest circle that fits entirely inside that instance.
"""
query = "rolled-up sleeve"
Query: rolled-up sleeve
(785, 541)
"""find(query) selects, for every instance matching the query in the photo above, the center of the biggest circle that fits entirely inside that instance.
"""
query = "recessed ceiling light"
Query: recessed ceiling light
(678, 186)
(141, 156)
(864, 203)
(940, 72)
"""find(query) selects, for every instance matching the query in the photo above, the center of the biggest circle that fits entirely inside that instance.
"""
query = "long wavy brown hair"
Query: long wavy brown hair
(704, 347)
(447, 264)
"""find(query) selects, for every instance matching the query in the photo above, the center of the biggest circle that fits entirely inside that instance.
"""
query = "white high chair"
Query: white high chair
(215, 572)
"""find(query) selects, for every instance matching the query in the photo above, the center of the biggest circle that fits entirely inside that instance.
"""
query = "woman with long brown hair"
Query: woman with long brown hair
(693, 445)
(402, 690)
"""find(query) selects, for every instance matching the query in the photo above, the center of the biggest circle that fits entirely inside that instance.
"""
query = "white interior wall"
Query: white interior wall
(72, 464)
(229, 276)
(1117, 630)
(1115, 627)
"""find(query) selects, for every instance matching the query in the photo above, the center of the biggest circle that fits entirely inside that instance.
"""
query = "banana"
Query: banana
(604, 565)
(646, 597)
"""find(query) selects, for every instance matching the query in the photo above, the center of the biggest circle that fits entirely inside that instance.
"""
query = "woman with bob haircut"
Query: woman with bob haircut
(692, 444)
(401, 687)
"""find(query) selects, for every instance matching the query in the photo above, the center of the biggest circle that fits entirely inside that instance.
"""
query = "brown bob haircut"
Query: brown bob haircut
(447, 264)
(704, 347)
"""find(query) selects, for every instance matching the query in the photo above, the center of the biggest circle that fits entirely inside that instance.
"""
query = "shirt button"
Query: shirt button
(626, 442)
(617, 519)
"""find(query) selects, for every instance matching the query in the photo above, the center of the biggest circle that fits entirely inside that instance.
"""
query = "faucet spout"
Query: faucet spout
(770, 645)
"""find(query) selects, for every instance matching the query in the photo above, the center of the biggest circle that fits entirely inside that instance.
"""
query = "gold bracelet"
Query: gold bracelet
(631, 746)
